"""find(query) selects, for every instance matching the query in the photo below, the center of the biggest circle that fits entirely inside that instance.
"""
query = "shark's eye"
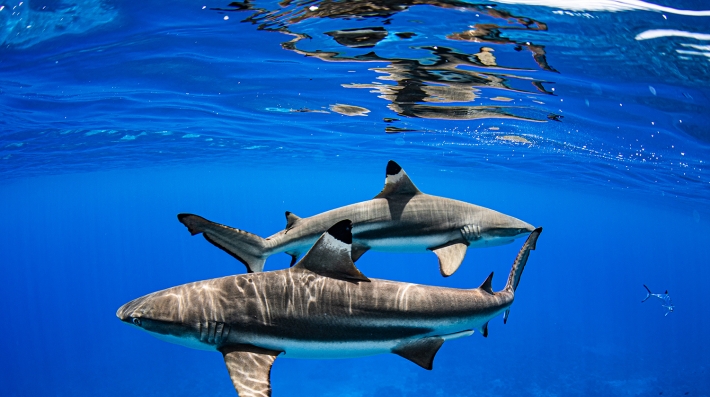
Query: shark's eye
(136, 321)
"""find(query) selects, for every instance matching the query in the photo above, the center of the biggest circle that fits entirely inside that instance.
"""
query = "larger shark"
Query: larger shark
(399, 219)
(323, 307)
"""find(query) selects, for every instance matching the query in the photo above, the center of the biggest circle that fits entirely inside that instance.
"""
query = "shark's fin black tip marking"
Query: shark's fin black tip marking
(484, 330)
(331, 255)
(421, 351)
(342, 231)
(392, 168)
(195, 224)
(291, 220)
(505, 316)
(397, 183)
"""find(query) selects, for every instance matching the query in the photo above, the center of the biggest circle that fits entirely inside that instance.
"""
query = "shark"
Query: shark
(399, 219)
(321, 308)
(665, 298)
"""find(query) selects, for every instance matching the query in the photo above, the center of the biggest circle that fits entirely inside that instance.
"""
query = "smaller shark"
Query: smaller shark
(399, 219)
(323, 307)
(667, 304)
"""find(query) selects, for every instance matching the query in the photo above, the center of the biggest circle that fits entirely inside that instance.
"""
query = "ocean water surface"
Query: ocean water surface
(589, 118)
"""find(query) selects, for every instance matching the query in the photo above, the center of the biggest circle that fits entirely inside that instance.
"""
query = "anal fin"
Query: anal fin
(420, 351)
(450, 257)
(250, 369)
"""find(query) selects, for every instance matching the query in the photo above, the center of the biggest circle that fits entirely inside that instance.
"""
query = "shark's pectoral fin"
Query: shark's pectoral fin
(250, 369)
(420, 351)
(450, 257)
(331, 257)
(397, 182)
(358, 251)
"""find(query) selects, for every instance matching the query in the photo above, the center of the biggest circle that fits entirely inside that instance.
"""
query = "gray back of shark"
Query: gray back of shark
(399, 219)
(322, 307)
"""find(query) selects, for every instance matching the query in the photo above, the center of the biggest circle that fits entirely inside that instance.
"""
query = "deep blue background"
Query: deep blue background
(76, 247)
(116, 116)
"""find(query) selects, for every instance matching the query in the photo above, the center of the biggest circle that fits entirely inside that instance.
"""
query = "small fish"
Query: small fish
(667, 304)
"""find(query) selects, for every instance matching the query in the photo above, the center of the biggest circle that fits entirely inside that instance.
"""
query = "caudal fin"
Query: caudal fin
(647, 296)
(517, 270)
(246, 247)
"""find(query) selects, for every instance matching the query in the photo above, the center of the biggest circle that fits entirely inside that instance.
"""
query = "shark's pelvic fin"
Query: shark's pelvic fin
(330, 256)
(246, 247)
(519, 265)
(397, 182)
(420, 351)
(291, 220)
(450, 257)
(484, 330)
(250, 369)
(487, 284)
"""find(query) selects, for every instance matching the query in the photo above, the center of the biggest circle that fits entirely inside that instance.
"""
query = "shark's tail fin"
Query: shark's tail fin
(246, 247)
(647, 296)
(517, 270)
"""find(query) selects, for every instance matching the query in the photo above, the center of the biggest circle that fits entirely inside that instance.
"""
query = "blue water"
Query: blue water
(590, 120)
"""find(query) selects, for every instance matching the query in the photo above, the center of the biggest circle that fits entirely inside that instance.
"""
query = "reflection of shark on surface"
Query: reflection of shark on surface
(322, 307)
(399, 219)
(667, 304)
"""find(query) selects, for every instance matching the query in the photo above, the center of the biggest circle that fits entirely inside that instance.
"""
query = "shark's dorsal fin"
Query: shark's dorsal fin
(486, 286)
(250, 369)
(358, 250)
(397, 183)
(450, 257)
(420, 351)
(291, 220)
(330, 256)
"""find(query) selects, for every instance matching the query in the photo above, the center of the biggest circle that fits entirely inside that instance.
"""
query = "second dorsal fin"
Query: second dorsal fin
(486, 286)
(330, 256)
(397, 182)
(291, 219)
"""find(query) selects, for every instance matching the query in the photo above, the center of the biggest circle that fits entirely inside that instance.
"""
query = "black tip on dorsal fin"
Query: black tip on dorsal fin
(397, 183)
(392, 168)
(331, 257)
(291, 219)
(342, 231)
(487, 285)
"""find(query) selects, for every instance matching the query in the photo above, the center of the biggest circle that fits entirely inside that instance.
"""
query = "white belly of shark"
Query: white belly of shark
(407, 244)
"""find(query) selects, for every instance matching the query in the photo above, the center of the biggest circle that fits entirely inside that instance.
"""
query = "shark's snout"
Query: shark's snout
(128, 312)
